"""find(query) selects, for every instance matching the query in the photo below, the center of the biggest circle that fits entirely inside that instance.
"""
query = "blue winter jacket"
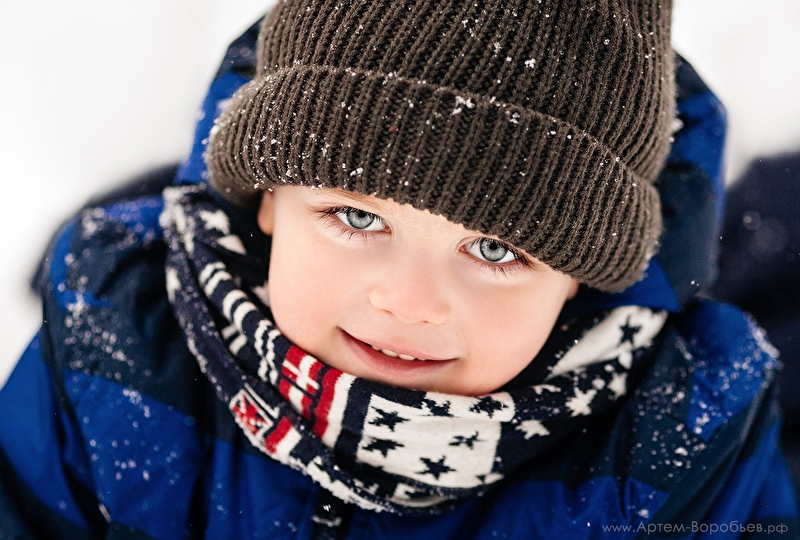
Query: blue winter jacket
(108, 429)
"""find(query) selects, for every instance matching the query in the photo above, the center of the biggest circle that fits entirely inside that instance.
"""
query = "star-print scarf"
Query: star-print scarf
(378, 446)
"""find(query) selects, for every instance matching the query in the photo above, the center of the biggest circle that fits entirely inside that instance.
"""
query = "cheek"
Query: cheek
(307, 293)
(513, 329)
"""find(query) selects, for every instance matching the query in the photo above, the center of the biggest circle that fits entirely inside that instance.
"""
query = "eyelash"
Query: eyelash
(506, 269)
(329, 215)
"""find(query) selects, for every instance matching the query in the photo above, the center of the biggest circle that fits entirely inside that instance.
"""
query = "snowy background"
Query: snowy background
(93, 92)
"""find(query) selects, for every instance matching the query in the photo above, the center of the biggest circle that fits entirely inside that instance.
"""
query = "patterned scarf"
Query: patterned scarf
(378, 446)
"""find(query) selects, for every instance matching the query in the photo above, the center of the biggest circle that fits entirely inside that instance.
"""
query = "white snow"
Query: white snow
(94, 92)
(747, 53)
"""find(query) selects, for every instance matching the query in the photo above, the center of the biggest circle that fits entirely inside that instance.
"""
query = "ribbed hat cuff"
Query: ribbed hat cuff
(542, 184)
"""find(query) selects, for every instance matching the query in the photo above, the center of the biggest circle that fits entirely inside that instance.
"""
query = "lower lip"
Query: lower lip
(388, 365)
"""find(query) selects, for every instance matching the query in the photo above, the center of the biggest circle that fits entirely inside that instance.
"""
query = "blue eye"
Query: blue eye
(491, 250)
(360, 220)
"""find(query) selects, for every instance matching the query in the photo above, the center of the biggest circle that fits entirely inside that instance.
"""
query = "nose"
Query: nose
(413, 289)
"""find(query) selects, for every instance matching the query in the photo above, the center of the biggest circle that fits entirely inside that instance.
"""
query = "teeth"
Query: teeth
(393, 354)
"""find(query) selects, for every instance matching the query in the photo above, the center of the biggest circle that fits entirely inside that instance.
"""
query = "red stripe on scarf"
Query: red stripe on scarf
(325, 400)
(276, 437)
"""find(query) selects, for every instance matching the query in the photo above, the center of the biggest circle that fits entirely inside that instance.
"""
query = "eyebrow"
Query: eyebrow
(354, 197)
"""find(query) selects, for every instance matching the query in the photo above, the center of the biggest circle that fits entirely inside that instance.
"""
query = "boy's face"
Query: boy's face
(400, 296)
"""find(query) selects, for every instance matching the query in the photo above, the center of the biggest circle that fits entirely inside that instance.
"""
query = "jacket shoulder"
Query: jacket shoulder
(107, 315)
(106, 258)
(730, 361)
(702, 426)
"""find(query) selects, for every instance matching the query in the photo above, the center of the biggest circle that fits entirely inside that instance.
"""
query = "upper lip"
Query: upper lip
(402, 349)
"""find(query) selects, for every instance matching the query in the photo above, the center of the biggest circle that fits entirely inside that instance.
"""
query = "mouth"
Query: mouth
(392, 354)
(388, 359)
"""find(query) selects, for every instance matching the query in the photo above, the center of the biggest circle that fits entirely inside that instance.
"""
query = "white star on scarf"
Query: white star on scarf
(532, 427)
(619, 384)
(216, 220)
(579, 404)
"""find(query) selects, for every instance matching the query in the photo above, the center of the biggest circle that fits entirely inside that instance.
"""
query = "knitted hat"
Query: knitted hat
(542, 122)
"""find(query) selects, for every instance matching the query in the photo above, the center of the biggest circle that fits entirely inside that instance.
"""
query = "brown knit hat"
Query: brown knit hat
(542, 122)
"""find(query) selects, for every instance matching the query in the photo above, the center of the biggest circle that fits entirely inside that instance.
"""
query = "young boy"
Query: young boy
(417, 298)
